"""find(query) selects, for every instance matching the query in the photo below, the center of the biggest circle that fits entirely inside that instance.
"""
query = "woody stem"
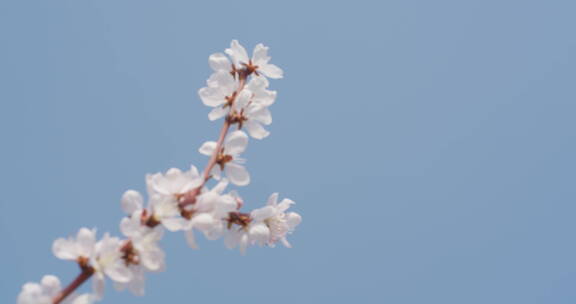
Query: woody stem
(190, 196)
(80, 279)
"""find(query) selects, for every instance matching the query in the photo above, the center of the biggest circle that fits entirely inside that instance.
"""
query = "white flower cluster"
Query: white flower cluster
(181, 200)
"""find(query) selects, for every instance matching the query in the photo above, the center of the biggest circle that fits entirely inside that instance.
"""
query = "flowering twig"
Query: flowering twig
(181, 200)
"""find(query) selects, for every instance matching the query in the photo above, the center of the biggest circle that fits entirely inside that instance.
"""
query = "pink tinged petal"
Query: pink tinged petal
(227, 204)
(156, 234)
(138, 282)
(284, 205)
(285, 243)
(219, 61)
(51, 285)
(256, 130)
(260, 55)
(203, 221)
(191, 239)
(98, 285)
(221, 186)
(174, 224)
(293, 219)
(206, 201)
(208, 148)
(126, 227)
(243, 99)
(193, 172)
(218, 113)
(261, 114)
(265, 98)
(232, 239)
(259, 233)
(237, 52)
(271, 71)
(236, 143)
(263, 213)
(153, 259)
(86, 239)
(64, 249)
(196, 179)
(223, 83)
(132, 201)
(119, 272)
(243, 243)
(273, 199)
(216, 172)
(211, 96)
(237, 174)
(257, 84)
(31, 293)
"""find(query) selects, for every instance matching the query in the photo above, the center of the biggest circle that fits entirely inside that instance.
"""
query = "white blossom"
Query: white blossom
(109, 262)
(208, 212)
(277, 220)
(252, 114)
(228, 158)
(259, 59)
(164, 190)
(145, 242)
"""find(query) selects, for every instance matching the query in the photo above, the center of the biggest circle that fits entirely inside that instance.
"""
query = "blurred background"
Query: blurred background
(429, 145)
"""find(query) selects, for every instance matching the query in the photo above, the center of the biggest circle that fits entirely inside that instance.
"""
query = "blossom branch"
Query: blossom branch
(181, 201)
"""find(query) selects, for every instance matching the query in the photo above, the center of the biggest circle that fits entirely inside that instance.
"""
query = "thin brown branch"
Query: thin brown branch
(86, 273)
(190, 197)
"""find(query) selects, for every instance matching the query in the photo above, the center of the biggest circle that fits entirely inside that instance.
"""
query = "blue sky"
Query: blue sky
(429, 145)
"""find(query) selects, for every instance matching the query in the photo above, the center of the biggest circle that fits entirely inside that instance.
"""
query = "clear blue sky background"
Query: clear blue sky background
(429, 145)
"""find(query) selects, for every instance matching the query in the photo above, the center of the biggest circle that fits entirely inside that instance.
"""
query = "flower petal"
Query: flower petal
(51, 285)
(243, 99)
(261, 114)
(285, 204)
(237, 52)
(273, 199)
(119, 272)
(174, 223)
(131, 201)
(293, 219)
(153, 259)
(208, 148)
(260, 55)
(190, 239)
(259, 233)
(218, 113)
(64, 249)
(271, 71)
(256, 130)
(219, 61)
(237, 174)
(263, 213)
(211, 96)
(236, 143)
(98, 286)
(85, 241)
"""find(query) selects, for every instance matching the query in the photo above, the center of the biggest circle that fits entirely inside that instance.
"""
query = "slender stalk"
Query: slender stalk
(80, 279)
(223, 132)
(190, 197)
